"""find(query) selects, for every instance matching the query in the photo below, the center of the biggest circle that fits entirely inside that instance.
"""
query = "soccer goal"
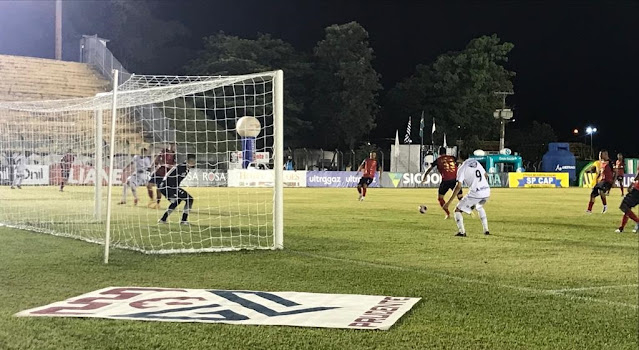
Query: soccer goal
(82, 168)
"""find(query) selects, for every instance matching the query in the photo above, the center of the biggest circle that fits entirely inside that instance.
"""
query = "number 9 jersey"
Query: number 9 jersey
(473, 175)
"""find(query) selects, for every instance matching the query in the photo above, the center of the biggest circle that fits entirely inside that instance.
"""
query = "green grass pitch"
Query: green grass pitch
(548, 277)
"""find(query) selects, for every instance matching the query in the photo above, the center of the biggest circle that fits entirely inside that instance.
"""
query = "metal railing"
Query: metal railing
(331, 160)
(94, 52)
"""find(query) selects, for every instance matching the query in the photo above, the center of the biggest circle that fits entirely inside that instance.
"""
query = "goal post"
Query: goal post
(114, 119)
(278, 217)
(98, 153)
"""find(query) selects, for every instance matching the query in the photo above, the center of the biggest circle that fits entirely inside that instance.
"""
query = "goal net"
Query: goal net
(81, 168)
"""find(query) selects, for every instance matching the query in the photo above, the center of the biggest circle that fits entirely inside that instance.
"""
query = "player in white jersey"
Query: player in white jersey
(473, 175)
(19, 170)
(140, 177)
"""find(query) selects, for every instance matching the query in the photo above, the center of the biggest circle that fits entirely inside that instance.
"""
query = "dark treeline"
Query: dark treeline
(333, 95)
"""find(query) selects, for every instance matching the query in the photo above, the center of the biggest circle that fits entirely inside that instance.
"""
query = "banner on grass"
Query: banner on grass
(233, 307)
(551, 180)
(336, 179)
(264, 178)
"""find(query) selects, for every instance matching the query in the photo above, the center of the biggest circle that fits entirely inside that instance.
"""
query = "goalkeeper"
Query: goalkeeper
(170, 188)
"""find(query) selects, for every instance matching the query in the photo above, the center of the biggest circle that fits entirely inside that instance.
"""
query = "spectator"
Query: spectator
(289, 165)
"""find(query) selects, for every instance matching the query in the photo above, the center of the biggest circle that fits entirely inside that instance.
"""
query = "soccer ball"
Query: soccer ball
(422, 209)
(248, 127)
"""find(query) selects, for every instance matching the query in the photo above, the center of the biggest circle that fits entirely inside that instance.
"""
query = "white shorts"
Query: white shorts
(138, 179)
(467, 204)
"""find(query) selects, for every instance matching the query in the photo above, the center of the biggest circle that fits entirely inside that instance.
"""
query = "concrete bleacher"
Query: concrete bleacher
(37, 79)
(28, 78)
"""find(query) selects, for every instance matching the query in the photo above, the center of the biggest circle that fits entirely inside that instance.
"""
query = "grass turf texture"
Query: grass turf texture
(531, 284)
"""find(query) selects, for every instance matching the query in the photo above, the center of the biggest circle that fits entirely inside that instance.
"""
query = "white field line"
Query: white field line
(556, 292)
(567, 290)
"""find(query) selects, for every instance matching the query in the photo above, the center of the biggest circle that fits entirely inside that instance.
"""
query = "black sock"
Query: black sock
(169, 211)
(185, 216)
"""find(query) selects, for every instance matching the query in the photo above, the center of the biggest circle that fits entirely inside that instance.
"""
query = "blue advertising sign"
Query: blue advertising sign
(336, 179)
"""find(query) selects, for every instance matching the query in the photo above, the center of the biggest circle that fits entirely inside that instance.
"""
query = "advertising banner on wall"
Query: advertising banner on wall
(336, 179)
(589, 180)
(84, 175)
(236, 158)
(433, 180)
(401, 180)
(496, 180)
(539, 180)
(205, 178)
(34, 175)
(264, 178)
(4, 175)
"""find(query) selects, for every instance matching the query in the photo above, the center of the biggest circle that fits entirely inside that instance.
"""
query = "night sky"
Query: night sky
(576, 62)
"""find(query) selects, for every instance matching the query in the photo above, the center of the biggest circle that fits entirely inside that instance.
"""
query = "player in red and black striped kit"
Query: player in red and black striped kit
(630, 201)
(164, 162)
(606, 179)
(370, 167)
(65, 167)
(447, 167)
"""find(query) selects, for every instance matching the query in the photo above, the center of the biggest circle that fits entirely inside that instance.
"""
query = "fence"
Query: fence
(93, 51)
(328, 160)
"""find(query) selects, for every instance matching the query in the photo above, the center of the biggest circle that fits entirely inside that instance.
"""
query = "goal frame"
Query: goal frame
(278, 163)
(94, 113)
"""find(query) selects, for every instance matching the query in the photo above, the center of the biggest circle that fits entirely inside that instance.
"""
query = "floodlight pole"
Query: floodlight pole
(592, 149)
(502, 121)
(58, 30)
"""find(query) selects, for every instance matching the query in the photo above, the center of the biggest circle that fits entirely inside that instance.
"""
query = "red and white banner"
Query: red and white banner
(85, 175)
(233, 307)
(259, 157)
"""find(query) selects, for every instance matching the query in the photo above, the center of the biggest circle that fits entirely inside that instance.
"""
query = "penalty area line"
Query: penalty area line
(555, 292)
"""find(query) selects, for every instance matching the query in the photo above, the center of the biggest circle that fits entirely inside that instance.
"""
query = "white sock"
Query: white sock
(459, 219)
(18, 180)
(483, 218)
(124, 192)
(134, 191)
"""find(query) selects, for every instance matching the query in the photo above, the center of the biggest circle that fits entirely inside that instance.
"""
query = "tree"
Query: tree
(345, 86)
(231, 55)
(457, 90)
(532, 142)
